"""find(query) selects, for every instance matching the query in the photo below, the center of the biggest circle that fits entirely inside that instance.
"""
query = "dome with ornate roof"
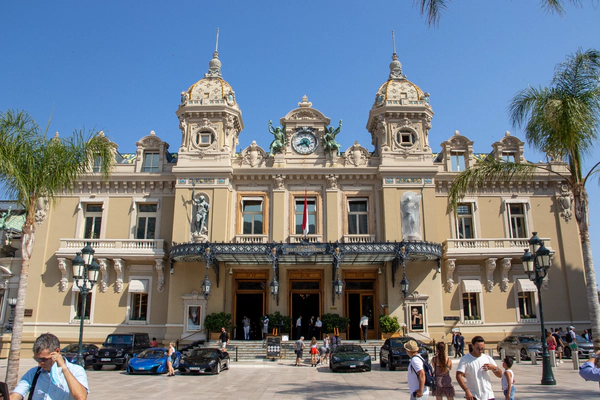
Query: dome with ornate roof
(398, 90)
(210, 90)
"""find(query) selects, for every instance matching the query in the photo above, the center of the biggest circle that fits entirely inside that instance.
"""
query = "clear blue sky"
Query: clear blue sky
(120, 66)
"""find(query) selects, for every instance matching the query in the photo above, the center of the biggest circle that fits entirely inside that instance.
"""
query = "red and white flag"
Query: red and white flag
(305, 217)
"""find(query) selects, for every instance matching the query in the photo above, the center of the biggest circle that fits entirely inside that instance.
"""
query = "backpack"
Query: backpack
(568, 338)
(429, 374)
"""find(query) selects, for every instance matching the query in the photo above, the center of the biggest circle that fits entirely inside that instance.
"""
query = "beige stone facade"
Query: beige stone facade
(377, 204)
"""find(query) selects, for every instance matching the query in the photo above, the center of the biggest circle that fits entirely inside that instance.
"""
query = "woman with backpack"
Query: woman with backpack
(442, 366)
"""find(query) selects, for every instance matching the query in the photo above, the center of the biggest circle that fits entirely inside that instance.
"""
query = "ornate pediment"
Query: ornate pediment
(253, 155)
(356, 155)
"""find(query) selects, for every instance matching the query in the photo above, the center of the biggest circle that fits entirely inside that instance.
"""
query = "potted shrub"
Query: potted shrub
(215, 321)
(277, 320)
(334, 323)
(389, 326)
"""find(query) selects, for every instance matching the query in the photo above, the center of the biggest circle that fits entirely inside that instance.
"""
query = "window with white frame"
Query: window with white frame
(508, 156)
(93, 221)
(517, 220)
(203, 138)
(252, 215)
(150, 161)
(471, 299)
(457, 159)
(146, 221)
(464, 221)
(311, 206)
(138, 299)
(358, 216)
(526, 291)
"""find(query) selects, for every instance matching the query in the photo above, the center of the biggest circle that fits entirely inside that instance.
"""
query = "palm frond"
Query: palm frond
(481, 175)
(433, 10)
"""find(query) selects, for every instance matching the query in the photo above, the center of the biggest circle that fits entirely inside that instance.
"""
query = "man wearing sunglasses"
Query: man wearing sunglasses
(54, 378)
(475, 368)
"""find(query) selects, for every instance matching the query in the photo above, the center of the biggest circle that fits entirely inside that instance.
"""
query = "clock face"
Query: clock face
(304, 142)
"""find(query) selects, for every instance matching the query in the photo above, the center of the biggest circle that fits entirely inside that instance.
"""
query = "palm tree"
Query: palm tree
(33, 170)
(562, 121)
(433, 9)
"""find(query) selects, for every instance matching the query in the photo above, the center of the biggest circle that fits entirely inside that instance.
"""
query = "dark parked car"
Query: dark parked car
(70, 353)
(350, 358)
(584, 347)
(393, 355)
(151, 361)
(522, 344)
(204, 361)
(119, 348)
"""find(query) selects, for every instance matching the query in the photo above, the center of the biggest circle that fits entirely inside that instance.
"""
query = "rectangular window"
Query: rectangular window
(311, 204)
(457, 159)
(150, 162)
(139, 307)
(97, 167)
(93, 221)
(146, 227)
(252, 216)
(471, 305)
(464, 221)
(78, 305)
(508, 157)
(358, 217)
(526, 304)
(517, 220)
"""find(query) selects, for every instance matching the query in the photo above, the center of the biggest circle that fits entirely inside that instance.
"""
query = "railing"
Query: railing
(472, 322)
(251, 239)
(500, 243)
(114, 244)
(308, 238)
(359, 238)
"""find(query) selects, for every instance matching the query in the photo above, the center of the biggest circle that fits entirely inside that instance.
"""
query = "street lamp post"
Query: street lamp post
(536, 262)
(85, 276)
(12, 302)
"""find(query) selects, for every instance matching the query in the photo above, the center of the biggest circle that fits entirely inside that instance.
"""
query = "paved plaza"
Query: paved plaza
(281, 380)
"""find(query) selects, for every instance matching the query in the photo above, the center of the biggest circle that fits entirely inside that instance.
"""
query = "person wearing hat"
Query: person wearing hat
(416, 373)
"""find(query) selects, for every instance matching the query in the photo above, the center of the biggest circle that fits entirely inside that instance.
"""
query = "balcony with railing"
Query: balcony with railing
(489, 247)
(131, 249)
(359, 238)
(308, 238)
(252, 239)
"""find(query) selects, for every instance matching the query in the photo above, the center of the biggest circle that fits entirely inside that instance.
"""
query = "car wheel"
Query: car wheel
(391, 367)
(524, 354)
(218, 370)
(381, 362)
(96, 367)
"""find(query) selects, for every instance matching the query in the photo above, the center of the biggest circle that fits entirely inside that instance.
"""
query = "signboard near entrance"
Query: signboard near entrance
(273, 346)
(304, 250)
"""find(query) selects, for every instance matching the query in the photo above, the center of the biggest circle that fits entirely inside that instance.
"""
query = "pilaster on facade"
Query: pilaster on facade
(450, 267)
(505, 263)
(62, 266)
(490, 267)
(118, 266)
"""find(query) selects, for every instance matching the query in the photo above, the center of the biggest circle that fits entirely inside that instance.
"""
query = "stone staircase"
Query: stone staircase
(254, 350)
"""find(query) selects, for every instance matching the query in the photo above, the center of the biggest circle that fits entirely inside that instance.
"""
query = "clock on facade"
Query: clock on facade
(304, 142)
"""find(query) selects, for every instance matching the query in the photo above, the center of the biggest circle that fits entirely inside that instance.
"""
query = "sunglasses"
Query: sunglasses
(42, 359)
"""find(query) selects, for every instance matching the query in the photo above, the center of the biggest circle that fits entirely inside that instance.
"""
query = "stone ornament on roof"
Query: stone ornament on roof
(280, 141)
(253, 155)
(356, 155)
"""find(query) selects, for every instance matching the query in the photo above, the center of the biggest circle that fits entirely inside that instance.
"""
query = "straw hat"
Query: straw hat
(411, 345)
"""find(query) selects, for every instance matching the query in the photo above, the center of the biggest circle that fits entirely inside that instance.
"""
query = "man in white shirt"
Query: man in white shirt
(475, 367)
(364, 325)
(416, 372)
(299, 327)
(246, 323)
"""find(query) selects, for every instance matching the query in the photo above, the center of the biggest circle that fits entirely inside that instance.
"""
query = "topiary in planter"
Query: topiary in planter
(215, 321)
(389, 324)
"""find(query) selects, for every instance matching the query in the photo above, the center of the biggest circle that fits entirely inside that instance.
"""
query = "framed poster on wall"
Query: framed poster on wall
(416, 317)
(193, 321)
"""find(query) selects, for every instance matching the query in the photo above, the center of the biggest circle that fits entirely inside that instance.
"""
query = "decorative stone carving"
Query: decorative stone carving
(490, 267)
(200, 215)
(506, 264)
(160, 269)
(103, 284)
(332, 181)
(450, 267)
(64, 281)
(184, 133)
(41, 210)
(279, 182)
(411, 217)
(118, 266)
(253, 155)
(546, 283)
(565, 203)
(280, 140)
(356, 155)
(205, 126)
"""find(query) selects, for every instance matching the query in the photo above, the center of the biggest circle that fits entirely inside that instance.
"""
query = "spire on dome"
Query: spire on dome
(214, 66)
(395, 65)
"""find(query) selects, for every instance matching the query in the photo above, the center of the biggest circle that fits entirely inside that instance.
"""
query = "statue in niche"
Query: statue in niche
(411, 219)
(329, 143)
(202, 208)
(279, 142)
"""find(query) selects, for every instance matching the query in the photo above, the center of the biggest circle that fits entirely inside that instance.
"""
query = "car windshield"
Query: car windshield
(152, 353)
(119, 340)
(349, 349)
(203, 353)
(528, 339)
(580, 338)
(73, 348)
(399, 342)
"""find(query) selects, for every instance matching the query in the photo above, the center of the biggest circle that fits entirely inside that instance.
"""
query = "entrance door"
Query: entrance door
(250, 302)
(307, 305)
(360, 304)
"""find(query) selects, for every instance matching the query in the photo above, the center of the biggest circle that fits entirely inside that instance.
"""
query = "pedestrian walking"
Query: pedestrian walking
(299, 347)
(314, 351)
(508, 379)
(318, 326)
(442, 366)
(560, 345)
(265, 329)
(364, 325)
(299, 327)
(461, 344)
(416, 372)
(246, 323)
(474, 367)
(455, 344)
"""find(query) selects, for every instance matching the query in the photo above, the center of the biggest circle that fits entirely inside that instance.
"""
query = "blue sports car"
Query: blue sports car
(151, 361)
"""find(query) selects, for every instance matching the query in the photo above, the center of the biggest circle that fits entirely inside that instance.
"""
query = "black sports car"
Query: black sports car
(204, 361)
(350, 358)
(70, 353)
(393, 355)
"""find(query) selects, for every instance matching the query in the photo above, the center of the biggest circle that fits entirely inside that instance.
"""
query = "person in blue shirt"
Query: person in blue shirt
(57, 379)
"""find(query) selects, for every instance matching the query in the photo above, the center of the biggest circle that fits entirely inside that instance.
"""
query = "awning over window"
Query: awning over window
(471, 286)
(138, 286)
(525, 285)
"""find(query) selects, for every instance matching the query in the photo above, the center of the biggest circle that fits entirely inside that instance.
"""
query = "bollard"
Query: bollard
(575, 358)
(553, 358)
(491, 352)
(502, 354)
(450, 348)
(533, 357)
(518, 357)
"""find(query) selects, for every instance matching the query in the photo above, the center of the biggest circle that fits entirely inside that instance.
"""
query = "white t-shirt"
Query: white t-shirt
(478, 380)
(505, 379)
(416, 364)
